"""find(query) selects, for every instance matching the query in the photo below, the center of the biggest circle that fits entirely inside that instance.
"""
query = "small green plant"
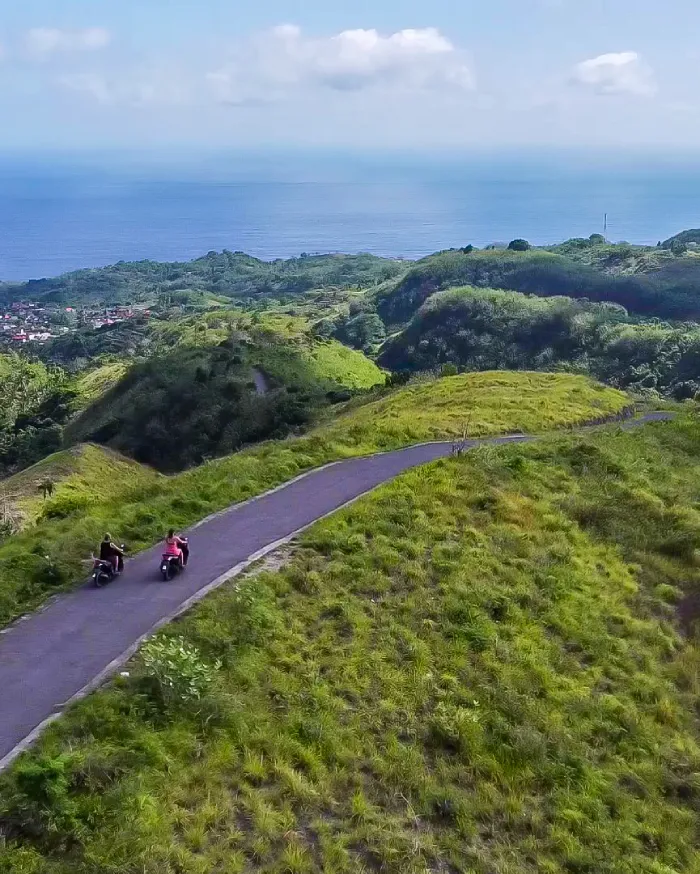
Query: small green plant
(40, 802)
(65, 505)
(178, 673)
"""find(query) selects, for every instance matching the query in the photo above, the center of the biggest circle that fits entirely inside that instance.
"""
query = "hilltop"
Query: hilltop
(666, 288)
(226, 383)
(73, 478)
(217, 275)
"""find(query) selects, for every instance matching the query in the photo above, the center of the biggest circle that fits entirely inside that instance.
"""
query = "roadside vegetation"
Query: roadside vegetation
(36, 402)
(50, 555)
(480, 667)
(474, 405)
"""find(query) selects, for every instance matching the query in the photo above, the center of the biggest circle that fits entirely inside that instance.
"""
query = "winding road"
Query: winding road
(59, 654)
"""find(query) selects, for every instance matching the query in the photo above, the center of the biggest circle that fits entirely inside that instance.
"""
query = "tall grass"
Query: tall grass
(478, 668)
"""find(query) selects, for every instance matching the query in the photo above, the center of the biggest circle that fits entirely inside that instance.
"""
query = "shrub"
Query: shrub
(178, 674)
(39, 800)
(518, 245)
(65, 505)
(456, 728)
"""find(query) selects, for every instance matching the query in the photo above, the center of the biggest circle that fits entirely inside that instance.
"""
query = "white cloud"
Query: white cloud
(88, 83)
(141, 88)
(283, 59)
(43, 42)
(616, 73)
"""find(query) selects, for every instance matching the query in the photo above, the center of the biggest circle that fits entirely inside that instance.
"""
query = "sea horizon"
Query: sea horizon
(66, 211)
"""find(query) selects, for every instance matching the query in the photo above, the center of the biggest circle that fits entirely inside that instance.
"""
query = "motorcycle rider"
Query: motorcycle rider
(112, 553)
(175, 545)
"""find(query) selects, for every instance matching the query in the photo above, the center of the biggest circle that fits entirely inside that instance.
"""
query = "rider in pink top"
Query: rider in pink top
(174, 544)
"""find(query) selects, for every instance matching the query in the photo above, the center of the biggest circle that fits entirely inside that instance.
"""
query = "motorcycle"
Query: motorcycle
(103, 571)
(170, 564)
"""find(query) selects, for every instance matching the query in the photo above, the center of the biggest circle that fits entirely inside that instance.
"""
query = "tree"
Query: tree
(518, 245)
(46, 488)
(679, 247)
(363, 330)
(597, 239)
(324, 329)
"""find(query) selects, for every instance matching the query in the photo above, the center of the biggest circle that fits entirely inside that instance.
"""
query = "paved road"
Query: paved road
(56, 653)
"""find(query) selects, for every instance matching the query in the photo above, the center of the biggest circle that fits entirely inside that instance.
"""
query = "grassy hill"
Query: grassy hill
(195, 401)
(140, 514)
(79, 476)
(666, 288)
(224, 275)
(476, 329)
(474, 404)
(94, 382)
(479, 668)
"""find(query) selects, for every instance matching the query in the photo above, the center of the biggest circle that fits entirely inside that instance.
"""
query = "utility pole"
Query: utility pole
(605, 226)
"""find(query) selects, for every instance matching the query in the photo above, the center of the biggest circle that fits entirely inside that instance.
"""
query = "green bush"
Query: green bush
(40, 801)
(519, 245)
(176, 672)
(66, 504)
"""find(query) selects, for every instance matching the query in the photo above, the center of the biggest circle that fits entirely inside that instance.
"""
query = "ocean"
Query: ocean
(63, 213)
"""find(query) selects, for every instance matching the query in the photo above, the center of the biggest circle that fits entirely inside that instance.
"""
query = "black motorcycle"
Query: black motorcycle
(170, 564)
(103, 571)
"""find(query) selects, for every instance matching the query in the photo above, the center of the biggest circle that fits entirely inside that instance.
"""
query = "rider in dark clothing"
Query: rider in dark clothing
(111, 552)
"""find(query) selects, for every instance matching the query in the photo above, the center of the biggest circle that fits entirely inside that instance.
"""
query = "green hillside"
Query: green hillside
(179, 407)
(96, 381)
(480, 668)
(226, 275)
(477, 329)
(50, 555)
(666, 288)
(475, 404)
(77, 477)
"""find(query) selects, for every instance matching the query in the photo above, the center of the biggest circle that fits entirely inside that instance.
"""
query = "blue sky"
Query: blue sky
(409, 74)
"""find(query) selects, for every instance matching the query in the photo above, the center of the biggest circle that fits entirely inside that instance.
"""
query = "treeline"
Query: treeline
(671, 292)
(34, 408)
(226, 274)
(483, 329)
